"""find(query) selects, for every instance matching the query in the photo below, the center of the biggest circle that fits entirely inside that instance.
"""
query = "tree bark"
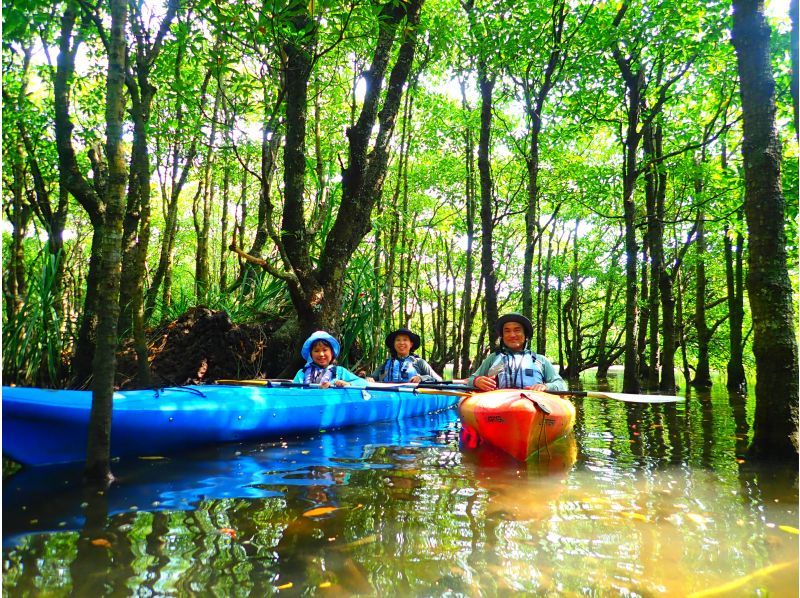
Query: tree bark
(608, 349)
(794, 14)
(486, 85)
(666, 276)
(316, 290)
(469, 190)
(572, 316)
(633, 83)
(543, 299)
(180, 168)
(637, 112)
(98, 452)
(734, 277)
(535, 100)
(271, 140)
(222, 281)
(52, 218)
(19, 213)
(136, 223)
(768, 284)
(201, 212)
(655, 239)
(71, 178)
(702, 376)
(681, 327)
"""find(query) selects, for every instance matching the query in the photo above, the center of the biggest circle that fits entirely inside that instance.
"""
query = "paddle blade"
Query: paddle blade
(631, 398)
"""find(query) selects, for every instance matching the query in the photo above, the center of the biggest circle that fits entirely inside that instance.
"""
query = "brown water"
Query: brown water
(642, 501)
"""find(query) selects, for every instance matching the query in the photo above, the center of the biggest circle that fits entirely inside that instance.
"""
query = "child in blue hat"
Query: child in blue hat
(320, 352)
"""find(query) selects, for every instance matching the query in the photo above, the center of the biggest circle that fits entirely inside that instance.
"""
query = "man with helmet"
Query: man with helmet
(514, 365)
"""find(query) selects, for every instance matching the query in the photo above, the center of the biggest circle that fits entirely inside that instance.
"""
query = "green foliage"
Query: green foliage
(399, 273)
(360, 311)
(265, 299)
(32, 343)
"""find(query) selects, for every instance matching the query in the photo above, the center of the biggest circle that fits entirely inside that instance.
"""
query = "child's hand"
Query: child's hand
(325, 384)
(341, 383)
(416, 379)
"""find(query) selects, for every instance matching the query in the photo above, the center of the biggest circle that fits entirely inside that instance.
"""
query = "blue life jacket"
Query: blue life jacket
(313, 374)
(399, 370)
(517, 370)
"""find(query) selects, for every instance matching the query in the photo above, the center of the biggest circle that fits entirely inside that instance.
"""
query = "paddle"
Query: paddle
(615, 396)
(619, 396)
(456, 389)
(377, 386)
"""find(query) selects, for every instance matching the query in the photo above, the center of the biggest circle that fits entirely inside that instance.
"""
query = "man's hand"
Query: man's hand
(540, 387)
(485, 383)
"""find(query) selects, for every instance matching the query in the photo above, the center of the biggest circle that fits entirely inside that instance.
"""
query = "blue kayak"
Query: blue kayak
(42, 427)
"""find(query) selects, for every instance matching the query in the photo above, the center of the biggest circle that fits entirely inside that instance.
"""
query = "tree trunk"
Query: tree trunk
(316, 290)
(572, 314)
(486, 84)
(734, 278)
(666, 276)
(644, 311)
(630, 383)
(136, 223)
(270, 144)
(607, 350)
(559, 323)
(71, 178)
(226, 189)
(85, 341)
(202, 211)
(466, 301)
(702, 376)
(53, 219)
(162, 279)
(768, 284)
(655, 241)
(681, 327)
(18, 212)
(794, 14)
(543, 299)
(136, 235)
(98, 452)
(734, 258)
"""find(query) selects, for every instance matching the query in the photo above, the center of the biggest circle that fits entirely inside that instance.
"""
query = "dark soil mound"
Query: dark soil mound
(203, 346)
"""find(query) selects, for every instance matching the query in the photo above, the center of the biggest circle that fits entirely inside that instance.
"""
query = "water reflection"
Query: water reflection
(642, 500)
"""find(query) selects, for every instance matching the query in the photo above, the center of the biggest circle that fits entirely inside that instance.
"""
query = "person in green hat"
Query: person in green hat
(514, 365)
(403, 366)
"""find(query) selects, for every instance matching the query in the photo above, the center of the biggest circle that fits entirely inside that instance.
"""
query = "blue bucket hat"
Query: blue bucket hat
(319, 335)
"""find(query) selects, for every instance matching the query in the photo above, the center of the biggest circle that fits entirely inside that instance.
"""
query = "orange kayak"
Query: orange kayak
(520, 422)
